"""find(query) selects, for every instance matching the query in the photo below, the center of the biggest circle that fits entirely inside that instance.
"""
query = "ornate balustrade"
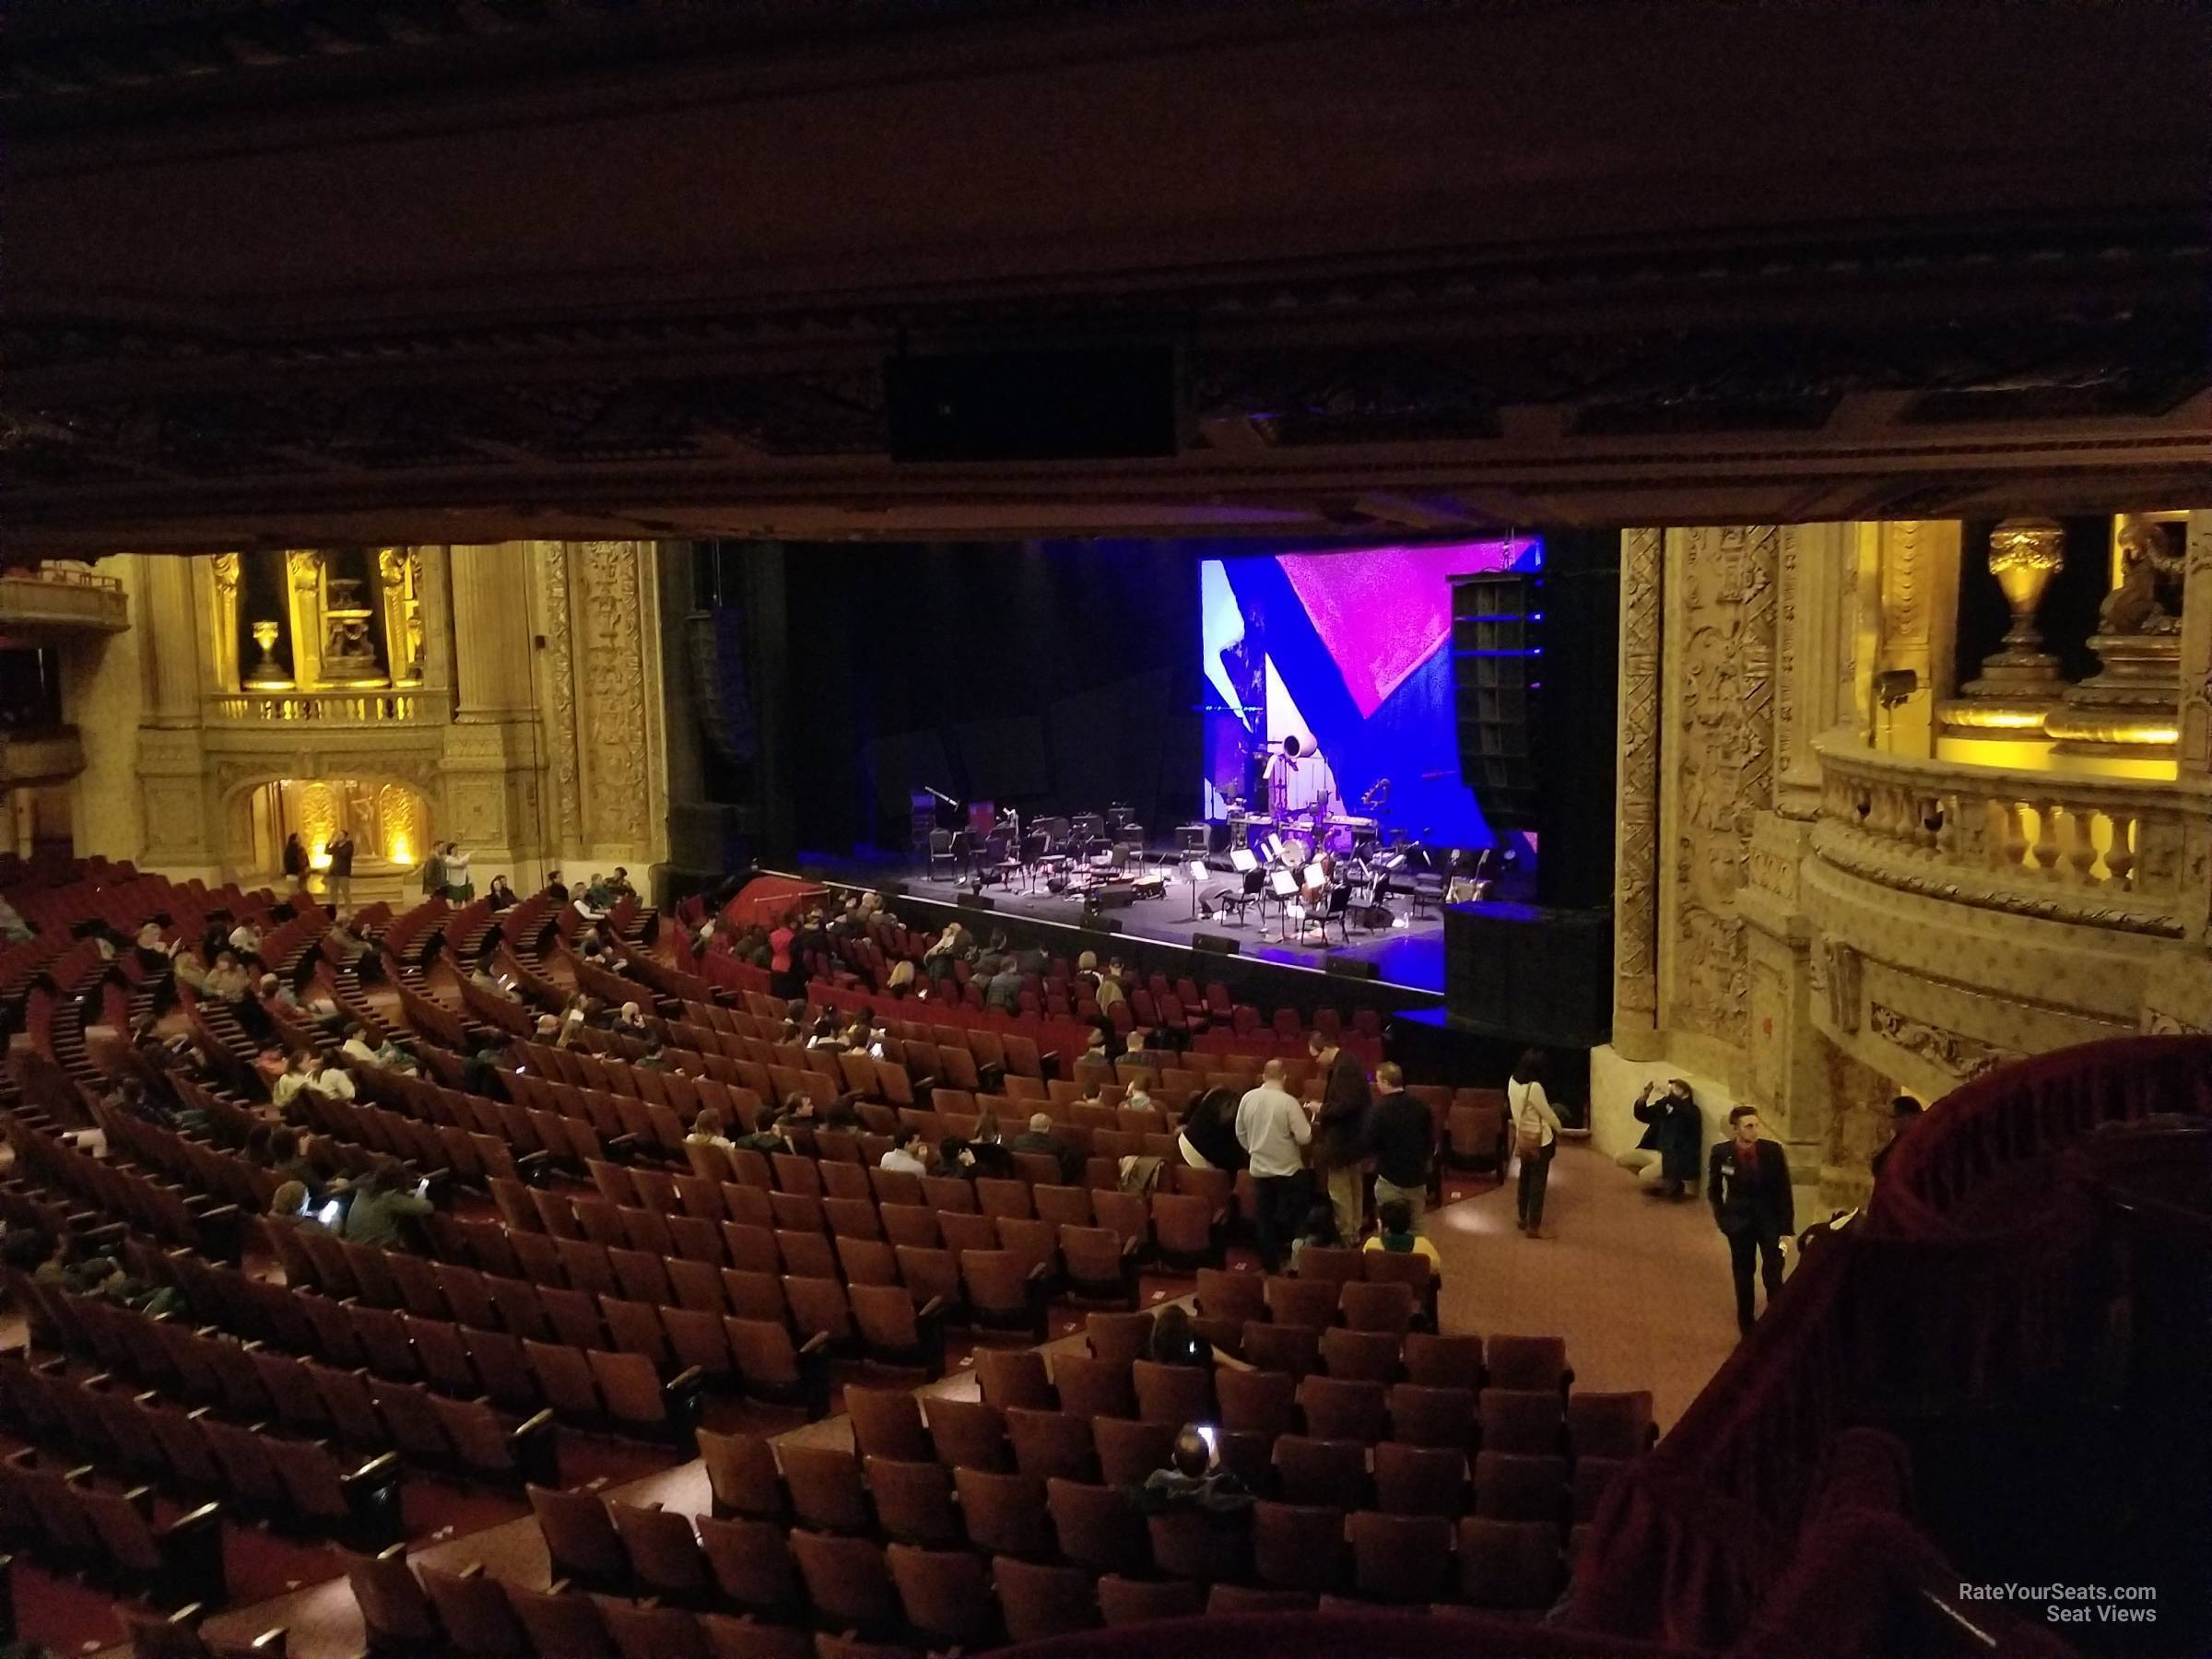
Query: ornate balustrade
(44, 755)
(60, 599)
(2099, 852)
(390, 707)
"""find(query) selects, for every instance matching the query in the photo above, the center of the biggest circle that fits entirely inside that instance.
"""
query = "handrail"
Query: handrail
(1927, 1298)
(63, 575)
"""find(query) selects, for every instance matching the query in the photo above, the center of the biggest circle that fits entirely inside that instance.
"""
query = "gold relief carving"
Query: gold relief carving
(402, 824)
(306, 567)
(1859, 1124)
(1636, 895)
(562, 673)
(477, 810)
(1963, 1057)
(1841, 970)
(1725, 739)
(1773, 873)
(225, 567)
(1769, 1028)
(171, 816)
(1786, 639)
(317, 806)
(615, 728)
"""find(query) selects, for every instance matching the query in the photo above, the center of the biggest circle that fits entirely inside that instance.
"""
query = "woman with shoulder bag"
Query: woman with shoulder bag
(1535, 1137)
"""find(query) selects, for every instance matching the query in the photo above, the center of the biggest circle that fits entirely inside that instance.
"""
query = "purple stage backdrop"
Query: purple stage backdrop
(1349, 653)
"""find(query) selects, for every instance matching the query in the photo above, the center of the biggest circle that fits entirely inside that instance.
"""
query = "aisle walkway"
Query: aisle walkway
(1637, 1286)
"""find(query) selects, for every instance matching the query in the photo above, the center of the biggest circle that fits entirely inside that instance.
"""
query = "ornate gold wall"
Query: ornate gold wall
(530, 729)
(1812, 910)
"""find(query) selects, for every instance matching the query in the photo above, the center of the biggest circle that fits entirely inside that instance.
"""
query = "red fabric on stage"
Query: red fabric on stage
(765, 898)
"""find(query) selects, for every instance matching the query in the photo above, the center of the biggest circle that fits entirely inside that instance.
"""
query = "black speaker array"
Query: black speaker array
(1219, 943)
(1535, 679)
(1535, 674)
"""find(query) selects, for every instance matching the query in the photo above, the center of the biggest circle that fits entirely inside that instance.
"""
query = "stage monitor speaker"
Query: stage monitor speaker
(1536, 680)
(1351, 968)
(1541, 977)
(1195, 838)
(1117, 402)
(975, 901)
(1220, 943)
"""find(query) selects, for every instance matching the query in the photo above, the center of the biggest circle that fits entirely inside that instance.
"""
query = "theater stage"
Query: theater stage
(1408, 956)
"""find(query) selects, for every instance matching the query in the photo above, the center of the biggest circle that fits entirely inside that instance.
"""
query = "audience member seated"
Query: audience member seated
(706, 1131)
(298, 1069)
(1004, 991)
(1397, 1236)
(228, 979)
(1175, 1343)
(383, 1205)
(1208, 1138)
(1191, 1481)
(288, 1205)
(909, 1157)
(1319, 1228)
(985, 1154)
(1038, 1139)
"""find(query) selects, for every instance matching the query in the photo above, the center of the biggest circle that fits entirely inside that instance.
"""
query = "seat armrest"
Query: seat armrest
(384, 1465)
(817, 1344)
(271, 1643)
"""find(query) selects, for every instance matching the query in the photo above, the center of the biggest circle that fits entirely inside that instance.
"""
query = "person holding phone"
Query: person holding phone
(387, 1200)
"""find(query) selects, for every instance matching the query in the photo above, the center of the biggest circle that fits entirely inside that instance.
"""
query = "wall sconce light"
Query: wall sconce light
(1895, 686)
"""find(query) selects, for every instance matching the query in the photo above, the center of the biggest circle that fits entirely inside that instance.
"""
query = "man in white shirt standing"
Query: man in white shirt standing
(1273, 1129)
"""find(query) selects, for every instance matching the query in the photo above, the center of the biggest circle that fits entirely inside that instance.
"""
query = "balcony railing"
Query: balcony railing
(2100, 852)
(63, 596)
(47, 755)
(384, 707)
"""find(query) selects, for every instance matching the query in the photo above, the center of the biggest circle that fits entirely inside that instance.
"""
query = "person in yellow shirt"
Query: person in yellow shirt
(1398, 1237)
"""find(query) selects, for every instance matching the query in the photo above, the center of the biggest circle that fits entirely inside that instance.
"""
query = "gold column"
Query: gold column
(399, 597)
(222, 623)
(303, 586)
(1919, 578)
(491, 620)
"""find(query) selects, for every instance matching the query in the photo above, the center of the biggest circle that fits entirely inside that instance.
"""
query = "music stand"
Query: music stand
(1195, 870)
(1286, 890)
(1243, 860)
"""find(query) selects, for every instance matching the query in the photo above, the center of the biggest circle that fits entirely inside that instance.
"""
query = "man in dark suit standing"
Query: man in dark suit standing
(1748, 1183)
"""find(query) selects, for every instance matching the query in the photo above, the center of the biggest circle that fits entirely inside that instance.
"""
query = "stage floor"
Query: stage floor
(1411, 955)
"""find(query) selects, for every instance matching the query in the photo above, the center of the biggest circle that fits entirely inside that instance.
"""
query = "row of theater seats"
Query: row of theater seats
(77, 1520)
(252, 1385)
(632, 1580)
(140, 1438)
